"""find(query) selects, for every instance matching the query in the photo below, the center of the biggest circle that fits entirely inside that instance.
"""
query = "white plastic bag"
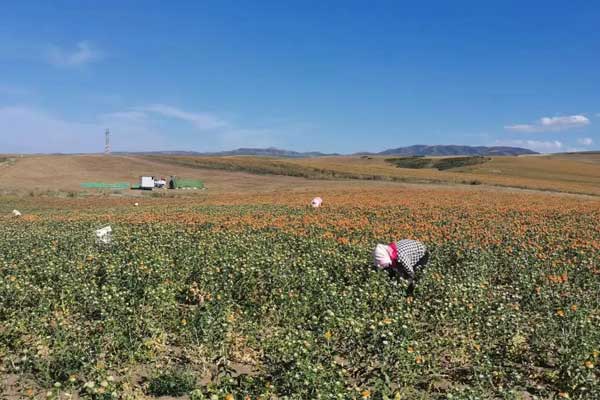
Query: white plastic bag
(104, 235)
(16, 213)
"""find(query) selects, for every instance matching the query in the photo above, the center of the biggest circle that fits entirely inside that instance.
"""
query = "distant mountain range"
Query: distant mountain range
(416, 150)
(270, 152)
(454, 150)
(244, 151)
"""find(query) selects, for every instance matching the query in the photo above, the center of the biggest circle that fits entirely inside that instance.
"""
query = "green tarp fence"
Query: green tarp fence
(179, 183)
(102, 185)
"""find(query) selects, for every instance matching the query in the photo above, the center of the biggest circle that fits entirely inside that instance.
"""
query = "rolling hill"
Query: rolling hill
(572, 173)
(243, 151)
(416, 150)
(454, 150)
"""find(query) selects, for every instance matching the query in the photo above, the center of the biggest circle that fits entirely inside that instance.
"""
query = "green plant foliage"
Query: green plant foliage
(266, 313)
(441, 164)
(172, 383)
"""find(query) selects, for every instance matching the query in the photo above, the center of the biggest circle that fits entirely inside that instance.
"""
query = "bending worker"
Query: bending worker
(402, 259)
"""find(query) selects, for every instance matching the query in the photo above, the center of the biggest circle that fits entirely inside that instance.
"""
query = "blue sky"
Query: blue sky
(331, 76)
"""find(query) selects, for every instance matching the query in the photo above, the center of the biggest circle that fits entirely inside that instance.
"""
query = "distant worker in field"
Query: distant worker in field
(316, 202)
(402, 259)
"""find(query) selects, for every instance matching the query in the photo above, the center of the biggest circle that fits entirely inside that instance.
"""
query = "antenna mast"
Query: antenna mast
(107, 142)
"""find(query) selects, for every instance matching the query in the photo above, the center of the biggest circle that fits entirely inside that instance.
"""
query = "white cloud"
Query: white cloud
(551, 124)
(84, 54)
(586, 141)
(568, 122)
(129, 116)
(30, 130)
(202, 121)
(551, 146)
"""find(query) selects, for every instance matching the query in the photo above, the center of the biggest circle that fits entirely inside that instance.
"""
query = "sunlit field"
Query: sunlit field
(259, 296)
(275, 200)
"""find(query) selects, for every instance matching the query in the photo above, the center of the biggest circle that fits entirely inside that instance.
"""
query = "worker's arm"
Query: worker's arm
(411, 287)
(409, 275)
(409, 272)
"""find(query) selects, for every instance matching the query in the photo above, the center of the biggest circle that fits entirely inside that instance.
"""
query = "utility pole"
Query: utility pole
(107, 142)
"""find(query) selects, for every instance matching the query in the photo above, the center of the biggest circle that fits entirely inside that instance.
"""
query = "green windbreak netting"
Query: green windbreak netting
(179, 183)
(102, 185)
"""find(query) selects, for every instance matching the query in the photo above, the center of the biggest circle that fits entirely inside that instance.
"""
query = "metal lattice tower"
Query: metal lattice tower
(107, 142)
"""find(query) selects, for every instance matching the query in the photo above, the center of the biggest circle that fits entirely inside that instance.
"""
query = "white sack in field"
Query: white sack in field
(103, 235)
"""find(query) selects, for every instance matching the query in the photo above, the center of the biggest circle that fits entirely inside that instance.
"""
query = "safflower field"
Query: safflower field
(262, 297)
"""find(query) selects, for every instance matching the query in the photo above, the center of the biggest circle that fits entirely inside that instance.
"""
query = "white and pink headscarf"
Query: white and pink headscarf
(385, 256)
(381, 256)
